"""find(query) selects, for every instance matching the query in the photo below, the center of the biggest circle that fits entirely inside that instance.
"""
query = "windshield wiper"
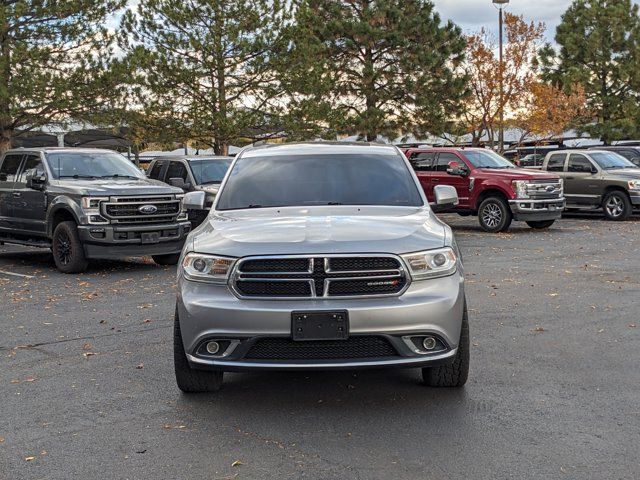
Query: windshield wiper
(77, 176)
(335, 203)
(117, 175)
(210, 182)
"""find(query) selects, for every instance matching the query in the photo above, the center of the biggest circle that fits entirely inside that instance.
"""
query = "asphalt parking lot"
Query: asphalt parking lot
(87, 387)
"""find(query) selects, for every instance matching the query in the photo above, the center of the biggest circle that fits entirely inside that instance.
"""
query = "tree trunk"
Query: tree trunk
(5, 139)
(221, 148)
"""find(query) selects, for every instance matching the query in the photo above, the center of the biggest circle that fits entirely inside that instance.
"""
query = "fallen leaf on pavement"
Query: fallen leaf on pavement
(140, 366)
(237, 463)
(88, 354)
(538, 329)
(87, 346)
(29, 459)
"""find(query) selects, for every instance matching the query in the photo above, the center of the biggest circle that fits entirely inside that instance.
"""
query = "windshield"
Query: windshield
(209, 170)
(611, 161)
(487, 159)
(307, 180)
(91, 165)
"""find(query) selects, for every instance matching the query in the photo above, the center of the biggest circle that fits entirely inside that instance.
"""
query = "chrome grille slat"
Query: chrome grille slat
(319, 276)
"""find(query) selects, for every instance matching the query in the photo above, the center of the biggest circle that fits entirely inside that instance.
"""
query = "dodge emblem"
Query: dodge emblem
(148, 209)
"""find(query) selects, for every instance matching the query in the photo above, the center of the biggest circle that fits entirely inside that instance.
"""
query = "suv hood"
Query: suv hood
(623, 174)
(106, 187)
(319, 230)
(518, 174)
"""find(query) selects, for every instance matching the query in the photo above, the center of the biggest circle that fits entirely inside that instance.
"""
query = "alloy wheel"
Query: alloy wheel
(63, 248)
(492, 215)
(614, 206)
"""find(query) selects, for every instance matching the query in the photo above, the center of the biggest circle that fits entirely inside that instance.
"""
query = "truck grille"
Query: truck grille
(542, 190)
(354, 347)
(321, 276)
(164, 209)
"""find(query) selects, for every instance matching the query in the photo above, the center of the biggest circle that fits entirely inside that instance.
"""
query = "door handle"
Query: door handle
(17, 194)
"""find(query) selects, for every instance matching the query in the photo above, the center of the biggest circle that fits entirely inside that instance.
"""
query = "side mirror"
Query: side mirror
(593, 169)
(454, 168)
(180, 183)
(35, 179)
(194, 200)
(446, 197)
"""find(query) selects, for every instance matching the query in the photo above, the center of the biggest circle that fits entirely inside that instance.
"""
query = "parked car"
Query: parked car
(192, 173)
(86, 204)
(630, 152)
(321, 256)
(597, 179)
(490, 186)
(533, 161)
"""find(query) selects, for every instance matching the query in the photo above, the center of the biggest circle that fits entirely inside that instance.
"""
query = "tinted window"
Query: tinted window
(209, 171)
(556, 162)
(307, 180)
(487, 159)
(91, 165)
(423, 161)
(9, 168)
(444, 159)
(611, 161)
(578, 163)
(32, 163)
(156, 170)
(176, 170)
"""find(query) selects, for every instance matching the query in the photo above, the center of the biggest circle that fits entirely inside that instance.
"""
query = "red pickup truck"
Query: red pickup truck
(490, 187)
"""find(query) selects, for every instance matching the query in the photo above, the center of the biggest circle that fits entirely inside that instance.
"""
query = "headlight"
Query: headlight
(634, 184)
(431, 263)
(199, 267)
(520, 187)
(183, 215)
(91, 208)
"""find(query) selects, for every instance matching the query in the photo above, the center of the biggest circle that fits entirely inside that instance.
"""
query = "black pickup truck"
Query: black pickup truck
(88, 203)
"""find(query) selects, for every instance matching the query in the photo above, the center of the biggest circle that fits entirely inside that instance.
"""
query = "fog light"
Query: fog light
(429, 343)
(213, 347)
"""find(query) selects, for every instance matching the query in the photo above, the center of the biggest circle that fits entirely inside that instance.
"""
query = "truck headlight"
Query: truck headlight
(91, 208)
(199, 267)
(520, 188)
(441, 262)
(183, 215)
(634, 184)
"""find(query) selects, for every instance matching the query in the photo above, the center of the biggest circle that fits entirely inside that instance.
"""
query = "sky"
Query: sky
(471, 15)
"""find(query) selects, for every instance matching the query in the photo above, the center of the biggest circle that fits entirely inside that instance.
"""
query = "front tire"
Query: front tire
(168, 259)
(494, 215)
(617, 206)
(68, 252)
(541, 224)
(457, 373)
(188, 379)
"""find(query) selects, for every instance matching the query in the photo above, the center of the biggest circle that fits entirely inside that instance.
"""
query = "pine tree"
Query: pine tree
(53, 56)
(205, 64)
(600, 49)
(372, 67)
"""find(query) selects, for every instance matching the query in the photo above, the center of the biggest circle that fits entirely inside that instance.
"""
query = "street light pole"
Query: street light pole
(501, 4)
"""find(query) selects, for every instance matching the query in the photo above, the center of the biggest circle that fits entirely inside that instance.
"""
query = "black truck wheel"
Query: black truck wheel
(68, 252)
(617, 206)
(457, 373)
(494, 215)
(541, 224)
(188, 379)
(169, 259)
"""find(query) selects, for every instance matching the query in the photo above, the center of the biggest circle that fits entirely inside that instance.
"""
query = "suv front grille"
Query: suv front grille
(322, 276)
(162, 209)
(354, 347)
(543, 190)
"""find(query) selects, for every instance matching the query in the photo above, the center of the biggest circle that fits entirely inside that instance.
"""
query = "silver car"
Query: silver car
(320, 256)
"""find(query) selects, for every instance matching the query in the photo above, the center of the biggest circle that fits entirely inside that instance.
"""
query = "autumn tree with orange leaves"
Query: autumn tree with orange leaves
(548, 111)
(518, 71)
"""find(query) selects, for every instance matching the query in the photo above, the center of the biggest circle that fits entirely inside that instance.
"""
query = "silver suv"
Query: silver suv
(320, 256)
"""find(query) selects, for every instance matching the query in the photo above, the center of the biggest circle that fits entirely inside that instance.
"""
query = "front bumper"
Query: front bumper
(635, 199)
(535, 210)
(117, 241)
(211, 312)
